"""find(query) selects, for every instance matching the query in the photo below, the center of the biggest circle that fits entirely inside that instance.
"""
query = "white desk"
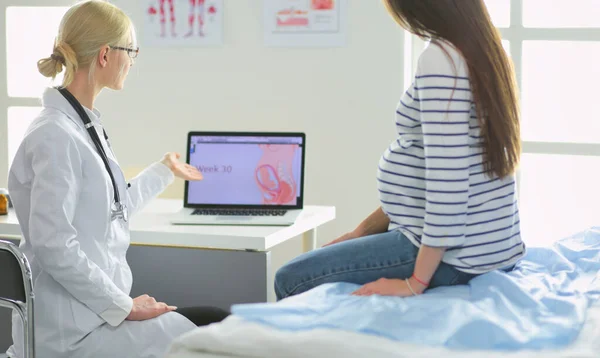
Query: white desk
(187, 265)
(151, 227)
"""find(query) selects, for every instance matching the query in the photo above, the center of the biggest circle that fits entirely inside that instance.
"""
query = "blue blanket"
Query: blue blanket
(541, 304)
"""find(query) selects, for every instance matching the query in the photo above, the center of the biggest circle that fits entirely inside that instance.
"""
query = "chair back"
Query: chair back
(16, 290)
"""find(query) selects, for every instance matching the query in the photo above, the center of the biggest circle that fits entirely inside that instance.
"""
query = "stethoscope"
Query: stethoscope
(118, 209)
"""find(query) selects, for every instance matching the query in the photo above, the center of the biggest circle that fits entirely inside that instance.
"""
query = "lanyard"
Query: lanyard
(119, 211)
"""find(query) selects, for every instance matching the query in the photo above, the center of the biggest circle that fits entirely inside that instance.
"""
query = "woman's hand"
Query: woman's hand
(376, 223)
(146, 307)
(390, 287)
(179, 169)
(348, 236)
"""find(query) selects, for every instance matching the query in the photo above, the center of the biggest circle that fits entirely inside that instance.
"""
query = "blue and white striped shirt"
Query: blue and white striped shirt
(431, 179)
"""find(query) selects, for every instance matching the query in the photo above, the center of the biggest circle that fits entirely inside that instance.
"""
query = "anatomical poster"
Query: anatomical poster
(183, 22)
(305, 23)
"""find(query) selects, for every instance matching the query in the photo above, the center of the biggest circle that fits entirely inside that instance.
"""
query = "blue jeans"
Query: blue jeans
(359, 261)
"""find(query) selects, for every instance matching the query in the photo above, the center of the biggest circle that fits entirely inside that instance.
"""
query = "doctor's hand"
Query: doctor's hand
(179, 169)
(146, 307)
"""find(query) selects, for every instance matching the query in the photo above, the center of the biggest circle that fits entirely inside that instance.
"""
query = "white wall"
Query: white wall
(343, 98)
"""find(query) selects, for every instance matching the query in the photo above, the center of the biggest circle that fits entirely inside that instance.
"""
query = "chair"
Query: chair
(16, 290)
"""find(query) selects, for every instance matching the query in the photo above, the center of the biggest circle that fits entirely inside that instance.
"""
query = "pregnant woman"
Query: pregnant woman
(446, 184)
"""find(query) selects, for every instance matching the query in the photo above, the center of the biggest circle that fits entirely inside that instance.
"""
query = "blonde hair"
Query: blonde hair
(85, 28)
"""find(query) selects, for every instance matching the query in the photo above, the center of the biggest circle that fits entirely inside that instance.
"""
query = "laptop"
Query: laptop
(250, 178)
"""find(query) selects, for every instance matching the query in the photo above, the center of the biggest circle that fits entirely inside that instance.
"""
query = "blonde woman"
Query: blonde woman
(73, 205)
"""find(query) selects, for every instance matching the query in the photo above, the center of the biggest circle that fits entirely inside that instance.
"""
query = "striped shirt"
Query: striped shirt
(431, 179)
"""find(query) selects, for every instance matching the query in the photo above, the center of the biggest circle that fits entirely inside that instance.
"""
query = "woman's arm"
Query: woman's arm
(153, 180)
(446, 140)
(147, 185)
(428, 260)
(376, 223)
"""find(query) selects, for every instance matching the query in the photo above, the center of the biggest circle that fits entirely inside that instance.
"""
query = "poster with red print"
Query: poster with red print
(183, 23)
(306, 23)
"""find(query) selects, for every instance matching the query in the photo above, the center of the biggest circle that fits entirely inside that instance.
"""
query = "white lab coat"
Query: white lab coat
(62, 195)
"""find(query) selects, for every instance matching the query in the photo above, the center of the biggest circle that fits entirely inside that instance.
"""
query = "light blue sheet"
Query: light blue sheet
(541, 304)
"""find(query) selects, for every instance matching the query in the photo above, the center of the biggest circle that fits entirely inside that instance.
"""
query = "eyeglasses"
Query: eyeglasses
(132, 52)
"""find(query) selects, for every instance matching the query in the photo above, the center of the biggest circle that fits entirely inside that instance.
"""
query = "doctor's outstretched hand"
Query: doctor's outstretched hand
(179, 169)
(146, 307)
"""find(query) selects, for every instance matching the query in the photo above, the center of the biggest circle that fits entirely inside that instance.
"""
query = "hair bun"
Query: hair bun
(58, 58)
(63, 55)
(64, 52)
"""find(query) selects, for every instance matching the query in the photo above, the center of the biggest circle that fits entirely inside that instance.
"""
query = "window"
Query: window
(555, 47)
(499, 11)
(560, 14)
(30, 35)
(559, 196)
(559, 79)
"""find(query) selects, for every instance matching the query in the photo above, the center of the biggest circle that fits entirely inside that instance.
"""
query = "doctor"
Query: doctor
(73, 205)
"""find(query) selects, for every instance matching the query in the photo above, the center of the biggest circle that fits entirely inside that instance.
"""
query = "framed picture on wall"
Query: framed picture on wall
(305, 23)
(183, 23)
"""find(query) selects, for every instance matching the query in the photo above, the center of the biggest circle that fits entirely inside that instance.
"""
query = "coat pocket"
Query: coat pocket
(84, 318)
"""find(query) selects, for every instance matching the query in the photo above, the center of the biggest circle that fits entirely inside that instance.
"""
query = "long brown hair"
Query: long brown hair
(466, 24)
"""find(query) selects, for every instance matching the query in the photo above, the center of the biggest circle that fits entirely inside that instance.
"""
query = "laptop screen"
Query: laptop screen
(252, 170)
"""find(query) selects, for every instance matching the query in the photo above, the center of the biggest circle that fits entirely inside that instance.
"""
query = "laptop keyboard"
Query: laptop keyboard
(240, 212)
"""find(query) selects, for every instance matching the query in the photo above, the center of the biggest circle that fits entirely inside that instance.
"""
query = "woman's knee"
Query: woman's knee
(293, 273)
(283, 277)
